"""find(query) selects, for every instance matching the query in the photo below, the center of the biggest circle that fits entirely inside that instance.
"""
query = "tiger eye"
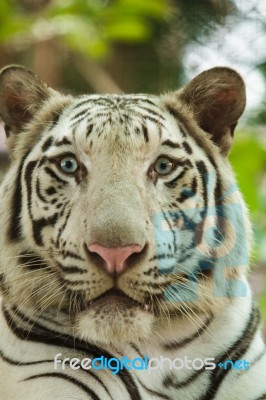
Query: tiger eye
(69, 165)
(163, 166)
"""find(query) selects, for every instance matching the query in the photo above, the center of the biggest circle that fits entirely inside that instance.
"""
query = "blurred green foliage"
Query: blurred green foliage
(248, 158)
(85, 26)
(150, 33)
(90, 27)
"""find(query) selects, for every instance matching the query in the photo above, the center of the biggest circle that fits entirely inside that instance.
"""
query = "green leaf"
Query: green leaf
(128, 30)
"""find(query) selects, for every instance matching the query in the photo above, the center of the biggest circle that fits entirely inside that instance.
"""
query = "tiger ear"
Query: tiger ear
(21, 95)
(217, 98)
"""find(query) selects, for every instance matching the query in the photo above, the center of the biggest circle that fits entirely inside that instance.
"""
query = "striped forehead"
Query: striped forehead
(128, 116)
(114, 106)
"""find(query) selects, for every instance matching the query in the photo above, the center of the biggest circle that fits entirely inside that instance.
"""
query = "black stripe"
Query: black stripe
(91, 119)
(67, 253)
(173, 111)
(55, 118)
(53, 175)
(138, 100)
(41, 334)
(145, 117)
(188, 193)
(171, 144)
(38, 192)
(153, 392)
(3, 286)
(48, 143)
(75, 381)
(179, 117)
(145, 133)
(62, 142)
(72, 284)
(82, 102)
(134, 346)
(32, 261)
(187, 147)
(170, 380)
(150, 111)
(92, 101)
(194, 186)
(23, 364)
(14, 230)
(137, 130)
(80, 114)
(202, 169)
(218, 192)
(171, 184)
(218, 198)
(234, 353)
(263, 397)
(72, 270)
(257, 359)
(176, 345)
(89, 130)
(50, 191)
(39, 224)
(7, 129)
(174, 233)
(28, 181)
(63, 226)
(20, 363)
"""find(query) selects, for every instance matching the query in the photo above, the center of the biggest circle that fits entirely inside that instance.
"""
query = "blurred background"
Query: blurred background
(152, 46)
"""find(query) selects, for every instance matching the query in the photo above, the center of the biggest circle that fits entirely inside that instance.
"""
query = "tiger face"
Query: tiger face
(120, 211)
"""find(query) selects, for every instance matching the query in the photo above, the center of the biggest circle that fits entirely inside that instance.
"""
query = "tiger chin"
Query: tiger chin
(115, 324)
(124, 234)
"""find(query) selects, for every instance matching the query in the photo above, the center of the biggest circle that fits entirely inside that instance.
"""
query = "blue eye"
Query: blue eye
(163, 166)
(69, 165)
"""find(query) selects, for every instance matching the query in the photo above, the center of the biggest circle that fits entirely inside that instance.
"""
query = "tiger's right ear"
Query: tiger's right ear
(21, 95)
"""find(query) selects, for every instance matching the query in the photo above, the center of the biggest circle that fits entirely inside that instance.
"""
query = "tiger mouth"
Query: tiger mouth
(116, 298)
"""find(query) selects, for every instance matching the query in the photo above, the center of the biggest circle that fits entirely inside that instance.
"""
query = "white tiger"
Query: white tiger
(124, 236)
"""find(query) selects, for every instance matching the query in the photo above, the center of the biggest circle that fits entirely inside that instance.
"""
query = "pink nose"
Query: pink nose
(114, 257)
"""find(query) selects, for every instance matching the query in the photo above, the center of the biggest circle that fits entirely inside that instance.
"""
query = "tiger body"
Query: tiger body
(103, 251)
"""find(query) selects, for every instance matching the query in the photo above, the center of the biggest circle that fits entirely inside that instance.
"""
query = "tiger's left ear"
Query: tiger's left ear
(21, 95)
(217, 98)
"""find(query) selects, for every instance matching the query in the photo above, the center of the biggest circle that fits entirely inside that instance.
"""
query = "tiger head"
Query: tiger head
(120, 213)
